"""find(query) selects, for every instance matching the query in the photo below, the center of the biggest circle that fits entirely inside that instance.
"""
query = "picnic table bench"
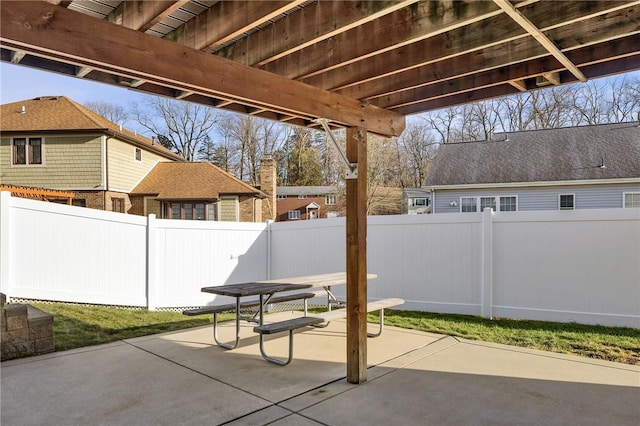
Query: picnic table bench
(288, 291)
(325, 317)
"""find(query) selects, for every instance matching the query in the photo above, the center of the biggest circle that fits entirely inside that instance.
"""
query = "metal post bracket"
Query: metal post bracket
(352, 168)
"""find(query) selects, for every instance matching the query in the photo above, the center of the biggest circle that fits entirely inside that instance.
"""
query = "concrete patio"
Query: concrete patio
(413, 378)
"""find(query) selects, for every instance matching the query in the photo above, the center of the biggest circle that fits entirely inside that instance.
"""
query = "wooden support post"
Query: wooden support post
(357, 257)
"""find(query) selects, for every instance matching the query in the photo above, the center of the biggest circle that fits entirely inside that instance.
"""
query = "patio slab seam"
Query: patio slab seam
(196, 371)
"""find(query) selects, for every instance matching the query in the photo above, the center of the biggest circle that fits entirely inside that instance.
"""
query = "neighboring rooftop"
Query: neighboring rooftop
(55, 114)
(192, 181)
(316, 191)
(609, 151)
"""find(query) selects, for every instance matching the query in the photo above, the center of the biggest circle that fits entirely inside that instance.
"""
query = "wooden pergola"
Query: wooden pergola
(38, 193)
(359, 65)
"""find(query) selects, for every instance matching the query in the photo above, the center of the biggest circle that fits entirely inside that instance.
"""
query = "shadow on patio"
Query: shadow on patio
(413, 378)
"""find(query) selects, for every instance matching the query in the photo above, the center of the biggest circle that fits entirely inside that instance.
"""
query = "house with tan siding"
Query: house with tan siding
(196, 191)
(54, 143)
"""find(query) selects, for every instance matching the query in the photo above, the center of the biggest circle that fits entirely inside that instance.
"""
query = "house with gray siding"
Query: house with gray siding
(585, 167)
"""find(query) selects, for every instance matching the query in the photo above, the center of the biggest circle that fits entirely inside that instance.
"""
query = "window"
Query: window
(632, 199)
(294, 214)
(138, 154)
(330, 199)
(302, 197)
(487, 202)
(508, 204)
(468, 204)
(117, 205)
(474, 204)
(27, 151)
(190, 211)
(199, 212)
(282, 197)
(420, 202)
(566, 202)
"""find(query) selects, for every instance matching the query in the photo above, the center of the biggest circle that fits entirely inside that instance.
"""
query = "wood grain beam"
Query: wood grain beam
(316, 22)
(356, 227)
(50, 31)
(586, 18)
(227, 20)
(505, 74)
(521, 85)
(393, 31)
(593, 70)
(518, 50)
(141, 15)
(536, 33)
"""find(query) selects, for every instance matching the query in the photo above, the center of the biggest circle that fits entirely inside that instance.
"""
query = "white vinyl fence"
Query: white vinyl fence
(581, 266)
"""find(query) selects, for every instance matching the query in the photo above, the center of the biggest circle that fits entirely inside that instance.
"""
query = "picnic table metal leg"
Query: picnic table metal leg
(276, 360)
(215, 328)
(381, 325)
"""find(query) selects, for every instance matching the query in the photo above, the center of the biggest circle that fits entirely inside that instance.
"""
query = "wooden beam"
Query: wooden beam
(521, 85)
(226, 20)
(591, 70)
(443, 81)
(83, 71)
(141, 15)
(17, 56)
(535, 32)
(357, 257)
(400, 28)
(52, 32)
(553, 77)
(305, 27)
(495, 31)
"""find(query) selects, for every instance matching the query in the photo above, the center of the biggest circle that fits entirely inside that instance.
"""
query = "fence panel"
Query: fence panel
(583, 267)
(432, 261)
(189, 255)
(74, 254)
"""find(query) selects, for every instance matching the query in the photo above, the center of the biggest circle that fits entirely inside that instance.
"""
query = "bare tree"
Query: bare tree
(415, 149)
(111, 112)
(180, 126)
(444, 123)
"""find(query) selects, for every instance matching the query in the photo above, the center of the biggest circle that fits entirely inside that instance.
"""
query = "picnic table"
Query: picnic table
(287, 290)
(265, 290)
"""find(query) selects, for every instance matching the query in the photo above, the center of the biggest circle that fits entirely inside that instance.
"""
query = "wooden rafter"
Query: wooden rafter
(49, 31)
(536, 33)
(323, 19)
(225, 21)
(149, 13)
(492, 33)
(393, 31)
(515, 58)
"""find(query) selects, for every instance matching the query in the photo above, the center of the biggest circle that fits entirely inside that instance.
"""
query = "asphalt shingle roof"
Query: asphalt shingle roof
(565, 154)
(49, 114)
(306, 190)
(192, 181)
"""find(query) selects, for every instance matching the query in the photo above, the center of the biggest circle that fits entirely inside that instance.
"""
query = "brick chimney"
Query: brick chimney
(268, 181)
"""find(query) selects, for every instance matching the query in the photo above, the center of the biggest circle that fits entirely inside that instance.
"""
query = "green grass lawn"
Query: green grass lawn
(79, 325)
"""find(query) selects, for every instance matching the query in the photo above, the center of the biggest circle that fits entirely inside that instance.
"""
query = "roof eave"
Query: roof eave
(535, 184)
